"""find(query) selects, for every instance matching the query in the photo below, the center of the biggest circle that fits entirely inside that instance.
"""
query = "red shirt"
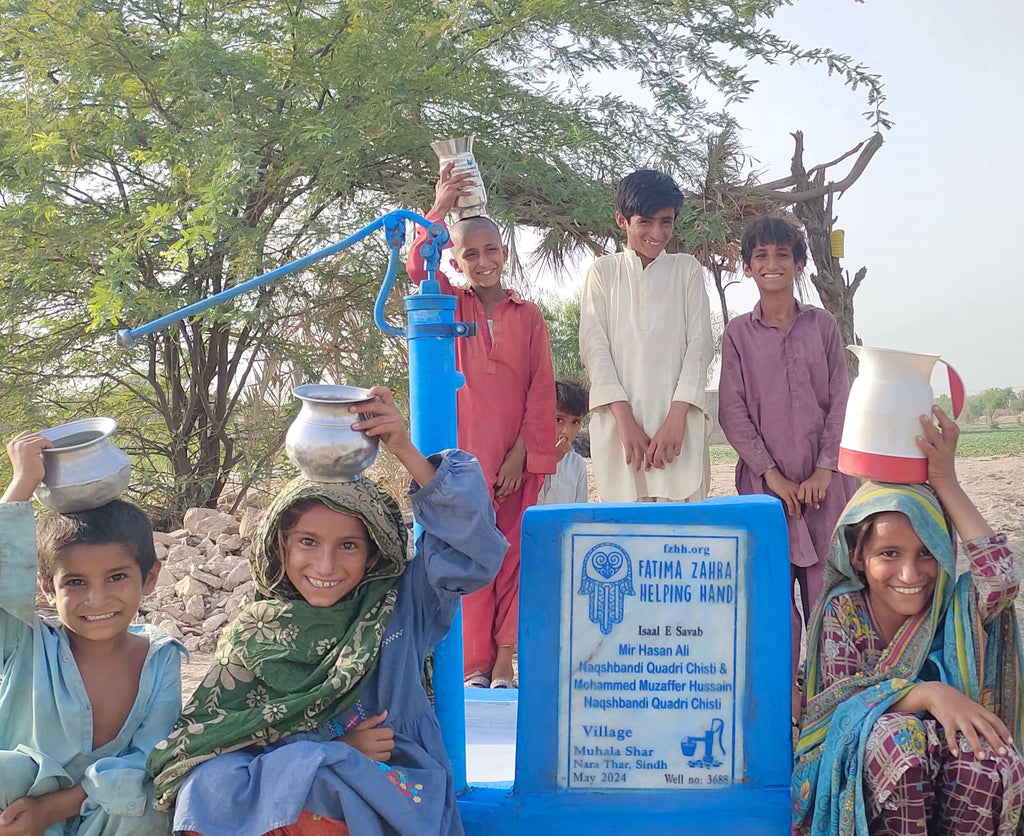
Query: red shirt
(510, 383)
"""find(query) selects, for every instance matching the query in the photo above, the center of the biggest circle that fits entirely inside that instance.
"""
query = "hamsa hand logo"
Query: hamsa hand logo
(607, 577)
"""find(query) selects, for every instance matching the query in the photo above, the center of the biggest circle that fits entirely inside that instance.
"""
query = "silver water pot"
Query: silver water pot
(83, 468)
(321, 442)
(459, 150)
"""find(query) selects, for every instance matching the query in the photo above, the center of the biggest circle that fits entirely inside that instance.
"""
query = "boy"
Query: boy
(506, 415)
(569, 481)
(782, 400)
(645, 337)
(83, 699)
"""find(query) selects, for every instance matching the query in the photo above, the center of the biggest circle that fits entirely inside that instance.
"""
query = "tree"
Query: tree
(714, 215)
(563, 321)
(153, 153)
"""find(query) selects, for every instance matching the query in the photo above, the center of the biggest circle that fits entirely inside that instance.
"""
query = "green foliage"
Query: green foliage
(985, 404)
(563, 320)
(153, 153)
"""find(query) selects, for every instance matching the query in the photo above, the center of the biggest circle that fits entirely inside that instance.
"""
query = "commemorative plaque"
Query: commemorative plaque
(651, 670)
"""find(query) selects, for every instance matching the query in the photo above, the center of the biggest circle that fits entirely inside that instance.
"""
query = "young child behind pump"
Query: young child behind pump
(569, 482)
(85, 697)
(506, 415)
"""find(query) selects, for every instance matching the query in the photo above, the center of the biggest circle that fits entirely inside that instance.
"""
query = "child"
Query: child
(84, 698)
(314, 719)
(913, 675)
(645, 337)
(782, 400)
(506, 415)
(569, 482)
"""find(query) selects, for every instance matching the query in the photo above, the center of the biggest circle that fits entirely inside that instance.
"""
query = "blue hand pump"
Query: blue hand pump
(431, 330)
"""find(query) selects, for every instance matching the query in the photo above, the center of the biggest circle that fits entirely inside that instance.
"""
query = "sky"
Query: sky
(934, 214)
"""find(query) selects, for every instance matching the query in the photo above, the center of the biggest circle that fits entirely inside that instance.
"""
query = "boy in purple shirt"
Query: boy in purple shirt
(782, 400)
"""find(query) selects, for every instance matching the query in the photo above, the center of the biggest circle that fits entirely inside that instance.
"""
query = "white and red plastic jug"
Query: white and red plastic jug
(891, 391)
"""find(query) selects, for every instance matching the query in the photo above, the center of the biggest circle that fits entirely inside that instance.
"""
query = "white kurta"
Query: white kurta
(645, 337)
(567, 484)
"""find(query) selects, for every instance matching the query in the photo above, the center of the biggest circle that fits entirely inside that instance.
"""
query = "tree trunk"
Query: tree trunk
(834, 287)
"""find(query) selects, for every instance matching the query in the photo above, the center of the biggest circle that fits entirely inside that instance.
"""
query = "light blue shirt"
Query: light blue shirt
(44, 708)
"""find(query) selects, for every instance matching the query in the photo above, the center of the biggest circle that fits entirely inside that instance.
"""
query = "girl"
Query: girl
(314, 719)
(913, 675)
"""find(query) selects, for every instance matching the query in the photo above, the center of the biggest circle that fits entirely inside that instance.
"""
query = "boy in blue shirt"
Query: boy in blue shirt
(86, 696)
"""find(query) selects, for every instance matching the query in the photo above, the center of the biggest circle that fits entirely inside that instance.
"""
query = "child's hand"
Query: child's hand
(939, 445)
(510, 474)
(562, 447)
(668, 440)
(635, 441)
(449, 189)
(812, 490)
(958, 713)
(785, 490)
(23, 817)
(387, 423)
(385, 420)
(369, 737)
(26, 454)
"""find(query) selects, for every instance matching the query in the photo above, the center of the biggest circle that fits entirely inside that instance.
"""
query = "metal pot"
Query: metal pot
(459, 150)
(83, 468)
(321, 442)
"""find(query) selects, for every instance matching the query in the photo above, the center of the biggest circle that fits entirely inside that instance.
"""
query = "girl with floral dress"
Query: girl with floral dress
(911, 722)
(314, 718)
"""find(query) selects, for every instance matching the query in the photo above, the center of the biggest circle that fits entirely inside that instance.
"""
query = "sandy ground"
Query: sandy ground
(995, 483)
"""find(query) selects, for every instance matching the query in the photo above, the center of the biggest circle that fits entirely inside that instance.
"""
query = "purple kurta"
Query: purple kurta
(782, 400)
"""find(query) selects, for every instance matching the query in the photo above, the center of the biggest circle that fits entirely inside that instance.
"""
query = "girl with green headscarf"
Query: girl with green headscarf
(314, 718)
(911, 720)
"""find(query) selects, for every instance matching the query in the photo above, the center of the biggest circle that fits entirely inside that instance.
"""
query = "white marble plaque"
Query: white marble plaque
(652, 663)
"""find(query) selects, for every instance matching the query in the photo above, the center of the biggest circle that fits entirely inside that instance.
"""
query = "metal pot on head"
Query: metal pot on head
(83, 468)
(321, 442)
(459, 150)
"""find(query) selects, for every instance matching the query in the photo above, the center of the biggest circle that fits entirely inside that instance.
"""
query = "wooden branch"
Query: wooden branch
(787, 198)
(774, 185)
(837, 160)
(857, 279)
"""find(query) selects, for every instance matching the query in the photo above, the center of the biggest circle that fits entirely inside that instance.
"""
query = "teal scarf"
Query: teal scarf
(981, 661)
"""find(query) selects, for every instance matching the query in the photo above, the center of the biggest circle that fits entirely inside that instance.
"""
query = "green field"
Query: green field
(984, 441)
(974, 441)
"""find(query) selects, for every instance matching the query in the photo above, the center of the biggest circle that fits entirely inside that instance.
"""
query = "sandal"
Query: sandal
(502, 682)
(478, 680)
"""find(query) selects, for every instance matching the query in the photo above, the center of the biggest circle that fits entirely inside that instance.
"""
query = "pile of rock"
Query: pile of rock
(204, 578)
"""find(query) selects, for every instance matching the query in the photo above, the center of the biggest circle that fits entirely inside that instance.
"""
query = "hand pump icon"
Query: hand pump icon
(688, 745)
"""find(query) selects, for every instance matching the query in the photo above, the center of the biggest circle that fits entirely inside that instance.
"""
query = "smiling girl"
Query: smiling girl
(314, 718)
(912, 718)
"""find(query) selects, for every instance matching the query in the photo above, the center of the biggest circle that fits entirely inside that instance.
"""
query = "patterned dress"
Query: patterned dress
(913, 784)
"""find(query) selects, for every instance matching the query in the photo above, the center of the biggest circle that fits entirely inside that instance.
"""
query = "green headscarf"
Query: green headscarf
(284, 666)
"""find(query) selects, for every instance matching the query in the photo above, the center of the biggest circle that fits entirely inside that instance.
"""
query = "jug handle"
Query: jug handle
(956, 390)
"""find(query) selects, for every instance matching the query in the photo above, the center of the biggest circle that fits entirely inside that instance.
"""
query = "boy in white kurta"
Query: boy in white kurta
(645, 337)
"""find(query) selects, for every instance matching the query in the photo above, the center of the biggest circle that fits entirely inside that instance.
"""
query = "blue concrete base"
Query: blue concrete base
(488, 811)
(757, 801)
